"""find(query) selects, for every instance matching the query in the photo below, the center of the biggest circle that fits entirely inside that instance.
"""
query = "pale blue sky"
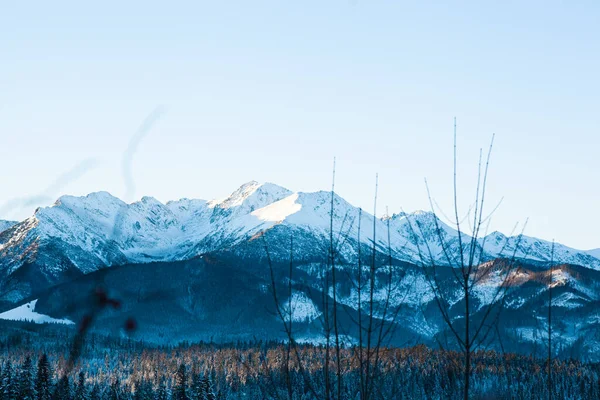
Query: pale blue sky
(273, 90)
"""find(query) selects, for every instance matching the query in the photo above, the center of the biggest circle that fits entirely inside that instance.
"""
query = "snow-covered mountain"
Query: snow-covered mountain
(79, 235)
(196, 260)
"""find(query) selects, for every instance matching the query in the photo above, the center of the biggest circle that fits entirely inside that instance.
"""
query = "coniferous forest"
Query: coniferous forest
(36, 363)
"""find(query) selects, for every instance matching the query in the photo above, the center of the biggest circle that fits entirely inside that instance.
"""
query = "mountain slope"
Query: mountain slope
(219, 298)
(4, 225)
(79, 235)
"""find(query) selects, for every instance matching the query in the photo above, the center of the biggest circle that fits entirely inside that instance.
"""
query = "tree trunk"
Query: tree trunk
(467, 343)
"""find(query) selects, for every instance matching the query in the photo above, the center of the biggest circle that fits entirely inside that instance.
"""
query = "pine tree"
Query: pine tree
(196, 388)
(180, 390)
(26, 383)
(115, 390)
(143, 391)
(95, 393)
(63, 389)
(5, 379)
(42, 379)
(138, 391)
(80, 389)
(207, 389)
(8, 388)
(161, 392)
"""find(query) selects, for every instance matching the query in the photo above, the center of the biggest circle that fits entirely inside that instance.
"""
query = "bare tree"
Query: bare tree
(550, 283)
(374, 321)
(372, 277)
(359, 287)
(467, 266)
(334, 287)
(290, 316)
(281, 314)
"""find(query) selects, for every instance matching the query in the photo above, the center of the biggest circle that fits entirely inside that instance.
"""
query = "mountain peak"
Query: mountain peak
(497, 235)
(95, 199)
(262, 194)
(394, 216)
(150, 200)
(422, 213)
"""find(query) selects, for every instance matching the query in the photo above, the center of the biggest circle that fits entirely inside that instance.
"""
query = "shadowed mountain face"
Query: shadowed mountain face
(197, 299)
(221, 297)
(204, 298)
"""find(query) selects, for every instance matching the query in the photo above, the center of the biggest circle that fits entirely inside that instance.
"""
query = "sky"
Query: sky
(200, 97)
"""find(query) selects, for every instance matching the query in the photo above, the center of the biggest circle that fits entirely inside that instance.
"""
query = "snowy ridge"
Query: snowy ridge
(147, 230)
(99, 230)
(594, 253)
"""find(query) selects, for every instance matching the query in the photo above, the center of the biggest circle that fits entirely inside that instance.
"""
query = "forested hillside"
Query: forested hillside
(37, 363)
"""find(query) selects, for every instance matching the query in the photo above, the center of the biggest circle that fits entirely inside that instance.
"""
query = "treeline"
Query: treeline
(26, 382)
(260, 371)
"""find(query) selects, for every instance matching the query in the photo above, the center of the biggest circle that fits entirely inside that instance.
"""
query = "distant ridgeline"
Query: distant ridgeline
(192, 270)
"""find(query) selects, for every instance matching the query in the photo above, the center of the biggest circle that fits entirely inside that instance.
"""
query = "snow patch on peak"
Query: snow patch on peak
(95, 202)
(316, 210)
(150, 200)
(252, 196)
(421, 212)
(242, 193)
(101, 197)
(279, 210)
(497, 235)
(422, 223)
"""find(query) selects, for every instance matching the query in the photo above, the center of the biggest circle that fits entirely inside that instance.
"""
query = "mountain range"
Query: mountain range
(199, 261)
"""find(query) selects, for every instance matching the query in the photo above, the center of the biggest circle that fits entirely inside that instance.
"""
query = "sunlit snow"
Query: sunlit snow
(26, 312)
(279, 210)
